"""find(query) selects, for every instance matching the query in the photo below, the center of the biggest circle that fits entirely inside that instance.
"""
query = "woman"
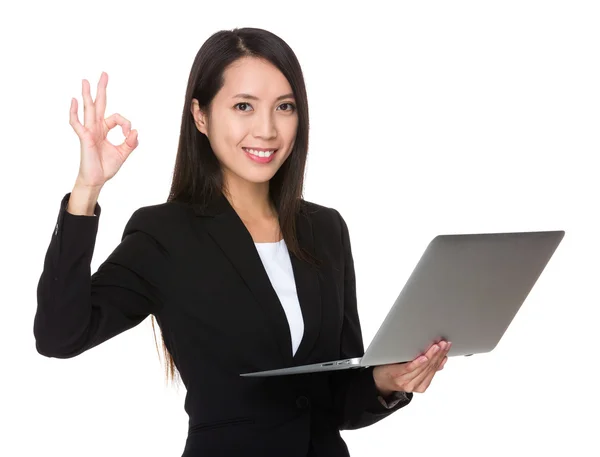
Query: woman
(240, 272)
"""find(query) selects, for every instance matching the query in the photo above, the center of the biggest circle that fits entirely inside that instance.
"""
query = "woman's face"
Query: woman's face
(255, 108)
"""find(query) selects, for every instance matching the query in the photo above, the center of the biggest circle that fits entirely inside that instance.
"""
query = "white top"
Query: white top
(276, 260)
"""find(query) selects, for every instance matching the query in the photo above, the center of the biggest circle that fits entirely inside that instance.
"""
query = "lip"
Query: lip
(260, 159)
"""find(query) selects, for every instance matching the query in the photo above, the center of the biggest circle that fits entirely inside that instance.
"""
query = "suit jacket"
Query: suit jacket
(199, 273)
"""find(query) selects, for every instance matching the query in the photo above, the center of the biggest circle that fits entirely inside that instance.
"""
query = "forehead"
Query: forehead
(254, 76)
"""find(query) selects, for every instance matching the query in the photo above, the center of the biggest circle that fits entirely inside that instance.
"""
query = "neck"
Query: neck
(250, 200)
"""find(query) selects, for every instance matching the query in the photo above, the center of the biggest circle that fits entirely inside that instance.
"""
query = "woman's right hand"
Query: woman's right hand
(100, 159)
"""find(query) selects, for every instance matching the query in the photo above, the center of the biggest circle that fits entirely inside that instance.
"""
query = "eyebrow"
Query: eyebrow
(252, 97)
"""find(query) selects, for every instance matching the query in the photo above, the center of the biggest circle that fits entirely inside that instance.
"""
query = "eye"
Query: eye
(292, 107)
(242, 103)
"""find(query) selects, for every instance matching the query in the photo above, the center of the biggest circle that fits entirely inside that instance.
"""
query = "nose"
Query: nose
(264, 126)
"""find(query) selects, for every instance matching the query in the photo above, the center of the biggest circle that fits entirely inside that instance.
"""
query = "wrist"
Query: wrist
(383, 390)
(81, 185)
(385, 393)
(83, 200)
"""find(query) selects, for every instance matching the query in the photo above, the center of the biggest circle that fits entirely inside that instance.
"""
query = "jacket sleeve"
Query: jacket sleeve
(76, 310)
(356, 400)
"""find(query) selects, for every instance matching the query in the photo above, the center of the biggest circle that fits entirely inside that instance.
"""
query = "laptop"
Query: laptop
(466, 288)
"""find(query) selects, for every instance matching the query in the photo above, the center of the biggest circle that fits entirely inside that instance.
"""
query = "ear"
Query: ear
(199, 117)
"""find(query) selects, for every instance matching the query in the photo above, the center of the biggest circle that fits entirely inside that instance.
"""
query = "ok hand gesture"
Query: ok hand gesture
(100, 159)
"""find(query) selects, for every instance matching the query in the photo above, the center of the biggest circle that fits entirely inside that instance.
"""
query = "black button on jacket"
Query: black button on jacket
(199, 273)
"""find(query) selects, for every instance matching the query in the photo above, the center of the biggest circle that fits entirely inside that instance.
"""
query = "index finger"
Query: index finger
(101, 96)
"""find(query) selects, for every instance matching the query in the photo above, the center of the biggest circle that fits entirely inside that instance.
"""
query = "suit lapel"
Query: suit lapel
(228, 231)
(308, 288)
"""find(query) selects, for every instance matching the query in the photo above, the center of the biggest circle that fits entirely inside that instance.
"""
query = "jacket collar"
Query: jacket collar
(225, 227)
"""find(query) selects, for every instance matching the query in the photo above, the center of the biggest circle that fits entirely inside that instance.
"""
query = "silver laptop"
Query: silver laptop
(465, 289)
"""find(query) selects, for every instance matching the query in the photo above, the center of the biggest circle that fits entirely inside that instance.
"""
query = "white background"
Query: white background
(426, 118)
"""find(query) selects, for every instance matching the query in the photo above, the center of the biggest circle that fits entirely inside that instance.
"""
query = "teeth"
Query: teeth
(260, 153)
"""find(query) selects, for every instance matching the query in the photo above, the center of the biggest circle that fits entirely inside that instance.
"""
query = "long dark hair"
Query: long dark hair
(197, 177)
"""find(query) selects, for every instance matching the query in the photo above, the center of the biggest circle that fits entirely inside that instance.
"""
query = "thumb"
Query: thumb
(131, 142)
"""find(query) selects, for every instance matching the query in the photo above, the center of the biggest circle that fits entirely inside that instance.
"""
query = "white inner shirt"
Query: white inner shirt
(276, 260)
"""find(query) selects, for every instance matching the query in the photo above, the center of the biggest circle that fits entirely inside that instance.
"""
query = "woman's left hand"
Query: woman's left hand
(414, 376)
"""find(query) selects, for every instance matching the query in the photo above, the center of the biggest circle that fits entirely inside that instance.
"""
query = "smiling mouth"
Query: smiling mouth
(260, 152)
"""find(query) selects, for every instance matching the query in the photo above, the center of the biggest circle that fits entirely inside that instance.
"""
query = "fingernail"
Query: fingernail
(435, 349)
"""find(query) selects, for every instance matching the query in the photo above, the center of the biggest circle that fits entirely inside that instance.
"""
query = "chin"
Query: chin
(259, 179)
(253, 176)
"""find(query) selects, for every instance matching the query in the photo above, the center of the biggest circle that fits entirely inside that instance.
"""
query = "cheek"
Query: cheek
(227, 137)
(293, 139)
(289, 130)
(235, 132)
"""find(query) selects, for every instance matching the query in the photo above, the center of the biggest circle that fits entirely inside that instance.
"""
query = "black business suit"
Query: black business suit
(198, 271)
